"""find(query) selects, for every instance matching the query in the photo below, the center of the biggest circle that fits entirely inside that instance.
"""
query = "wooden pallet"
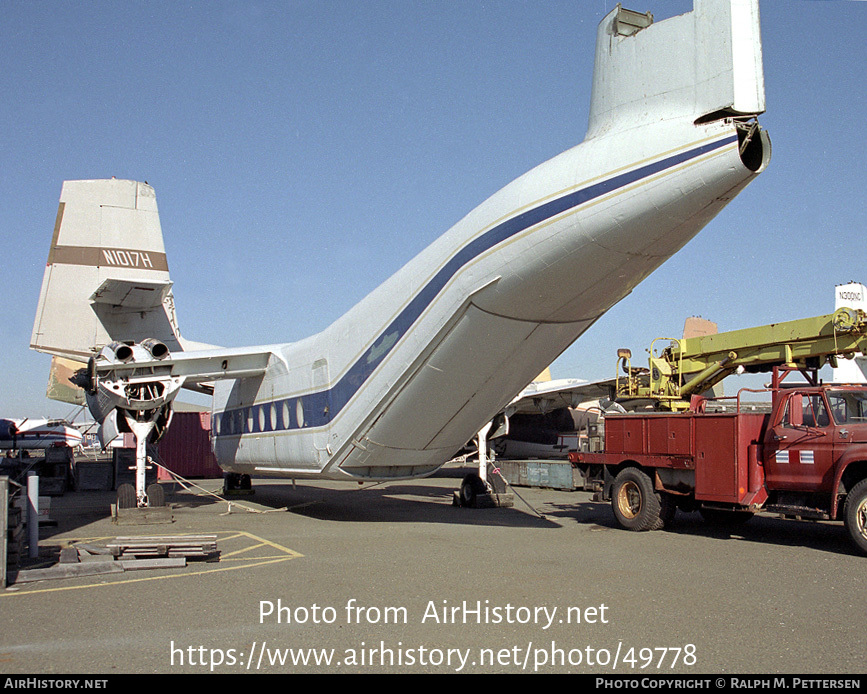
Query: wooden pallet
(187, 546)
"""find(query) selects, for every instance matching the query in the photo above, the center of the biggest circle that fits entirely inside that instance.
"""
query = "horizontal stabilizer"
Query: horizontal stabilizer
(201, 366)
(547, 397)
(60, 386)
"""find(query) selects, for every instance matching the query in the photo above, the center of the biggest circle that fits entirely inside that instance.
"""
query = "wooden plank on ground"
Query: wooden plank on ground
(164, 546)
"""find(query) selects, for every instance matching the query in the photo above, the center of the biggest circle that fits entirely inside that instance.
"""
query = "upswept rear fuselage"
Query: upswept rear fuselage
(471, 320)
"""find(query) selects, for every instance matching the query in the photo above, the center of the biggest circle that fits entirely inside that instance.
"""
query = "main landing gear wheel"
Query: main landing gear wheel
(635, 503)
(126, 496)
(234, 482)
(855, 514)
(471, 488)
(156, 495)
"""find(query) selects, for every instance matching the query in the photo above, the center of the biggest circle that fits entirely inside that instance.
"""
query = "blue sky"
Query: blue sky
(302, 152)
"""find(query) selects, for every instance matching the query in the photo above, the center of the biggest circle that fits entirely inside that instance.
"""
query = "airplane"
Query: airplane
(411, 373)
(30, 434)
(550, 418)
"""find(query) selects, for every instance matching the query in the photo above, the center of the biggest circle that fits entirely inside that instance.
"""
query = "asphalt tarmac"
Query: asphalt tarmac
(393, 578)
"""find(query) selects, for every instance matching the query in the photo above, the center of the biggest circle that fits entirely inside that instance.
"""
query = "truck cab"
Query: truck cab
(815, 450)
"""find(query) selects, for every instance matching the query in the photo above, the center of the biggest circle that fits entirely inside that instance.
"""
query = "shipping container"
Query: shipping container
(185, 449)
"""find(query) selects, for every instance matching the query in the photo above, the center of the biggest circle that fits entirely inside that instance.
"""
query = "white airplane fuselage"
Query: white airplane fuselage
(406, 378)
(33, 434)
(475, 316)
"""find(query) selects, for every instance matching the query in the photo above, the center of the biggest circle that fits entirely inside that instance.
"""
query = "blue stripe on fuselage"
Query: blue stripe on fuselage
(321, 407)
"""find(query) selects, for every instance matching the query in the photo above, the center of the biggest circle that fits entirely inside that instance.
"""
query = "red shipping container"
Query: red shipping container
(185, 448)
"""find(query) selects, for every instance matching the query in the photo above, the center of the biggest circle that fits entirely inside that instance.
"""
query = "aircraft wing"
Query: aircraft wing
(551, 395)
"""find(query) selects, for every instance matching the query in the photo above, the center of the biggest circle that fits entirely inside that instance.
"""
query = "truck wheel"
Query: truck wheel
(634, 501)
(855, 514)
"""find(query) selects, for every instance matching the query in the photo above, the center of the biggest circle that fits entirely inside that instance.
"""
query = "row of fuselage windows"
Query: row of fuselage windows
(257, 419)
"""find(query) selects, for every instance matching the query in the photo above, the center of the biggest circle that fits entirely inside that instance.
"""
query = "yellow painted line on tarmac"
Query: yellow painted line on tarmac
(240, 533)
(241, 551)
(284, 554)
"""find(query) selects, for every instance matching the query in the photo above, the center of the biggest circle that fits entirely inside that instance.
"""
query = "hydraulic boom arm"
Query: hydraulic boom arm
(693, 365)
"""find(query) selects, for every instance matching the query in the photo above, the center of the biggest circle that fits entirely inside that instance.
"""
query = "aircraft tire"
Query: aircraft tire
(471, 488)
(126, 496)
(156, 495)
(231, 481)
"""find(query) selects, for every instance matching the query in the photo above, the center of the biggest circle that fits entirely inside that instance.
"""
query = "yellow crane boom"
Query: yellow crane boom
(689, 366)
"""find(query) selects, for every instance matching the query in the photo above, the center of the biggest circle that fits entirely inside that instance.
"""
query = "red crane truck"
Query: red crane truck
(807, 458)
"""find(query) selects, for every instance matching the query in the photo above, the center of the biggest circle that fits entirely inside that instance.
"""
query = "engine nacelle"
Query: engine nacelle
(157, 349)
(118, 351)
(126, 385)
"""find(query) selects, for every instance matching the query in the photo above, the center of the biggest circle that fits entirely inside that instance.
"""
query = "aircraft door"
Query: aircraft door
(319, 409)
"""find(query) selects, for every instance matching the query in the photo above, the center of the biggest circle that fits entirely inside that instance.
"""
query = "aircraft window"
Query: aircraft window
(273, 416)
(217, 423)
(261, 418)
(299, 413)
(285, 414)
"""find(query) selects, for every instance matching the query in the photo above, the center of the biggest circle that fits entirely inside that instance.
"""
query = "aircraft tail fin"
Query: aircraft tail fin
(688, 66)
(107, 278)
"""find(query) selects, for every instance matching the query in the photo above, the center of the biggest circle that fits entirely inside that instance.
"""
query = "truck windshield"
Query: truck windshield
(848, 406)
(805, 410)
